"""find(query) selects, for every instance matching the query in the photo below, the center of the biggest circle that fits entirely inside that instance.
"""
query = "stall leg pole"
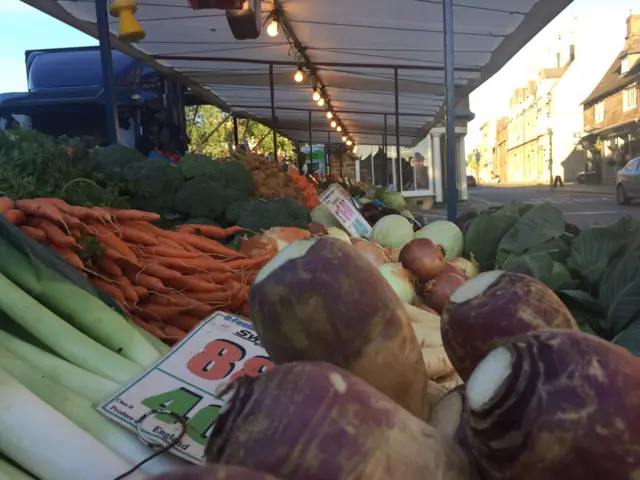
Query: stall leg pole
(397, 170)
(385, 164)
(236, 138)
(450, 115)
(274, 119)
(310, 143)
(328, 164)
(108, 80)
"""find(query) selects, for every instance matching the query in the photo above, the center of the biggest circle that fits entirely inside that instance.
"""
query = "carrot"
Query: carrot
(127, 289)
(6, 204)
(221, 296)
(193, 284)
(214, 277)
(153, 328)
(71, 221)
(35, 233)
(141, 292)
(245, 310)
(206, 245)
(186, 303)
(110, 267)
(69, 256)
(162, 251)
(187, 229)
(233, 230)
(249, 263)
(171, 332)
(133, 215)
(210, 231)
(133, 235)
(110, 290)
(183, 322)
(153, 311)
(192, 265)
(15, 216)
(102, 214)
(161, 272)
(152, 284)
(169, 242)
(108, 239)
(54, 234)
(42, 208)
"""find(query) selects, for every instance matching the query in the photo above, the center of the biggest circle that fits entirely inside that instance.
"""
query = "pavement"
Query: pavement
(582, 205)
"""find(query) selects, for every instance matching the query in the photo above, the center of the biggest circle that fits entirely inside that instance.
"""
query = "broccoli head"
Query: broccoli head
(236, 176)
(117, 163)
(261, 214)
(203, 197)
(194, 165)
(156, 183)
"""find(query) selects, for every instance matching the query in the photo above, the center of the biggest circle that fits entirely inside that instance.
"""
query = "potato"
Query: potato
(493, 308)
(321, 300)
(556, 405)
(310, 420)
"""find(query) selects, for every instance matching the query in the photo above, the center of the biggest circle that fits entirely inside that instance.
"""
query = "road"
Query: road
(582, 209)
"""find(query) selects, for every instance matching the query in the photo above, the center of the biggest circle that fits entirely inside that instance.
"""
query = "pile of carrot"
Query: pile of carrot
(166, 281)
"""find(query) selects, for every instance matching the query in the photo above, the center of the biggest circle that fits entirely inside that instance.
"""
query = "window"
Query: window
(633, 165)
(624, 65)
(629, 98)
(600, 112)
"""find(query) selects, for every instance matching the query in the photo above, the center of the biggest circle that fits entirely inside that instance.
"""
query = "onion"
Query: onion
(469, 267)
(400, 281)
(438, 291)
(423, 259)
(454, 269)
(374, 252)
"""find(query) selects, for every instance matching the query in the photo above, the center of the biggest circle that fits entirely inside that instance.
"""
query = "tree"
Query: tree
(202, 120)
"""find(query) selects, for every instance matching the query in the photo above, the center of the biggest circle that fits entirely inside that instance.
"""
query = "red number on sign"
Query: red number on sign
(253, 367)
(217, 360)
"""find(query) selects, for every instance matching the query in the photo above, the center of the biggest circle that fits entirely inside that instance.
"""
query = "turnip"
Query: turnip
(556, 405)
(320, 300)
(216, 472)
(494, 307)
(303, 421)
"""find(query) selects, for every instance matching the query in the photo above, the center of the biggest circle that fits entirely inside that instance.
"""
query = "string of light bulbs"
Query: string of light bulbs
(319, 95)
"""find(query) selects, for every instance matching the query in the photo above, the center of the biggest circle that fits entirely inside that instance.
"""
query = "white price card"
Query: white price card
(185, 383)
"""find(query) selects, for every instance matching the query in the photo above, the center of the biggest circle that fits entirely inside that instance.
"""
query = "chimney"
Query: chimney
(633, 26)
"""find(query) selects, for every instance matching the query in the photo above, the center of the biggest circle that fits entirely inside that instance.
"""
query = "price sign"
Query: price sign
(185, 383)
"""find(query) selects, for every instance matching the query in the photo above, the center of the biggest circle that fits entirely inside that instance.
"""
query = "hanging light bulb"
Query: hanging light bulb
(344, 139)
(355, 148)
(273, 28)
(339, 128)
(316, 96)
(299, 76)
(334, 124)
(349, 142)
(329, 115)
(321, 102)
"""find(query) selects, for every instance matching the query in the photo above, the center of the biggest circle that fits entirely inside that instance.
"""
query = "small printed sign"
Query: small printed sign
(185, 384)
(339, 203)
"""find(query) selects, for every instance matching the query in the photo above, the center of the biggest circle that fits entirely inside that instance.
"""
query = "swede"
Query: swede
(320, 300)
(556, 405)
(494, 307)
(216, 472)
(303, 421)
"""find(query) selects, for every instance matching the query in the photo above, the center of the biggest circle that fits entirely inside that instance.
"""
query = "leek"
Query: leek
(63, 339)
(9, 472)
(48, 444)
(85, 311)
(79, 410)
(158, 344)
(91, 386)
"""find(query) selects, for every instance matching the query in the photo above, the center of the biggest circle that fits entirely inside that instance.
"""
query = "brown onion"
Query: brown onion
(423, 259)
(374, 252)
(469, 267)
(438, 291)
(454, 269)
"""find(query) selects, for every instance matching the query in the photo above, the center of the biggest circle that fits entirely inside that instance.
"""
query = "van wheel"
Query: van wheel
(621, 196)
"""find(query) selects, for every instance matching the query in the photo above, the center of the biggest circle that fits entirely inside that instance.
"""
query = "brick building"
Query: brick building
(612, 113)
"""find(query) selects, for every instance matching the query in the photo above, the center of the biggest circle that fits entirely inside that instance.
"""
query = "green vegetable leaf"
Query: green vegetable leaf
(485, 233)
(540, 224)
(629, 338)
(592, 252)
(536, 265)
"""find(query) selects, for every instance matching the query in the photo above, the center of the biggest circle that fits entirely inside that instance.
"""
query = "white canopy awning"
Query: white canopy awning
(356, 45)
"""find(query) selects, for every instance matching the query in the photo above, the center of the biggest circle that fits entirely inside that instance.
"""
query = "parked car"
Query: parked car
(628, 182)
(471, 181)
(581, 177)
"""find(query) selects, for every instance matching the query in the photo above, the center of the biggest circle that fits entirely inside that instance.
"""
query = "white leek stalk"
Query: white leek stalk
(47, 443)
(9, 472)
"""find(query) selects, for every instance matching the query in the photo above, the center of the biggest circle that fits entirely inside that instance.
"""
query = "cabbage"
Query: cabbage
(408, 214)
(321, 214)
(393, 231)
(445, 234)
(394, 200)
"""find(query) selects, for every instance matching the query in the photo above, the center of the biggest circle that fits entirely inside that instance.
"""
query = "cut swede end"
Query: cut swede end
(290, 252)
(488, 377)
(475, 287)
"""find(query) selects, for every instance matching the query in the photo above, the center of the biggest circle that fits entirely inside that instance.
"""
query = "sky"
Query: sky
(25, 28)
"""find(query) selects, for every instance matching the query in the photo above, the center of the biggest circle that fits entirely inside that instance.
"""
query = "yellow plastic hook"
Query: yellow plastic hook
(129, 29)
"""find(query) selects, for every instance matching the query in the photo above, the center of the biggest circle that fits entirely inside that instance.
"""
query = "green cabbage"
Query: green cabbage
(446, 234)
(394, 200)
(393, 231)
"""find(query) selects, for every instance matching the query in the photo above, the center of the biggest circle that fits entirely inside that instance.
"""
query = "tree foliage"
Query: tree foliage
(202, 120)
